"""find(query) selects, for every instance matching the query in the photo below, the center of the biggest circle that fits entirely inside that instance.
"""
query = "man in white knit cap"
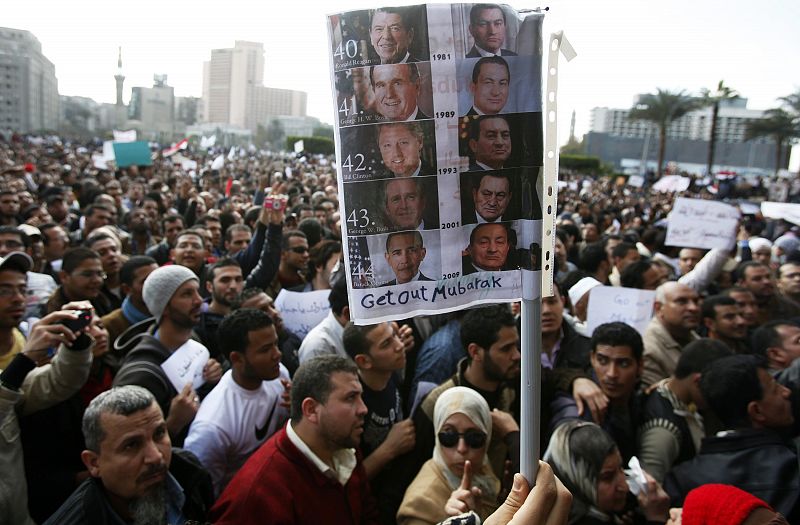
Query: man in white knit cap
(171, 294)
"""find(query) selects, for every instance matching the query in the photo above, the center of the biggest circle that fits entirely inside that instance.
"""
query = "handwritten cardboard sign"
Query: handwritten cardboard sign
(302, 311)
(186, 365)
(696, 223)
(608, 304)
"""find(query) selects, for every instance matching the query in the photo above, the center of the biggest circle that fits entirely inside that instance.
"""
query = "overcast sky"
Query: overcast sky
(624, 47)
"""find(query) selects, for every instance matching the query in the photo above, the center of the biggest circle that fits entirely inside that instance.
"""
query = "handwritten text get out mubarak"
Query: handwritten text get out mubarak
(443, 290)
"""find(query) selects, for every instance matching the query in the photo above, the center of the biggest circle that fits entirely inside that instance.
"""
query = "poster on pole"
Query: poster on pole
(438, 116)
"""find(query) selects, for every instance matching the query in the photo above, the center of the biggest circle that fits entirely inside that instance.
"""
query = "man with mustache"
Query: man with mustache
(489, 86)
(488, 248)
(491, 195)
(489, 142)
(487, 25)
(136, 475)
(616, 359)
(308, 472)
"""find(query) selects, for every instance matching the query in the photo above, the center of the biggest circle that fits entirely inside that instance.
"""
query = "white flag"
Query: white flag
(218, 162)
(299, 146)
(232, 153)
(208, 142)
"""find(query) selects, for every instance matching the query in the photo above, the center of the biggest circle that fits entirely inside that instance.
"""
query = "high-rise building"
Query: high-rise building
(617, 139)
(29, 88)
(152, 110)
(234, 93)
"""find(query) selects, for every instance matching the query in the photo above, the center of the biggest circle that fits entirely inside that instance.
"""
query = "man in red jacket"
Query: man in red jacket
(308, 472)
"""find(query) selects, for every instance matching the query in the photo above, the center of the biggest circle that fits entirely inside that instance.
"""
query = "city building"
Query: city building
(234, 93)
(625, 143)
(29, 91)
(152, 110)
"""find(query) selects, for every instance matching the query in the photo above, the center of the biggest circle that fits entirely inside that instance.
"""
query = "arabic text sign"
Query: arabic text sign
(302, 311)
(608, 304)
(185, 365)
(696, 223)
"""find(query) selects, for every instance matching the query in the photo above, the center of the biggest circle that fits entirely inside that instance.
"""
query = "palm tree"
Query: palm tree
(714, 98)
(662, 108)
(792, 102)
(779, 125)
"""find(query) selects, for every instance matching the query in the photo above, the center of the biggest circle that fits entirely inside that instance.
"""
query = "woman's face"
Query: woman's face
(454, 457)
(100, 335)
(612, 489)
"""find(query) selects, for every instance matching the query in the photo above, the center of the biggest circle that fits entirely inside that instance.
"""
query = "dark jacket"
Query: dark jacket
(142, 366)
(59, 299)
(160, 252)
(89, 505)
(575, 349)
(757, 461)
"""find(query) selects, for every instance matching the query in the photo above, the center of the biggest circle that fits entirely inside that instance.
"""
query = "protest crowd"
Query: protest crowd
(149, 375)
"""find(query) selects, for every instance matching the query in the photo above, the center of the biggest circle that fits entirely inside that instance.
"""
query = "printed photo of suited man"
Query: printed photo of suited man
(394, 31)
(401, 148)
(385, 151)
(397, 90)
(499, 196)
(491, 248)
(405, 204)
(494, 142)
(389, 205)
(386, 35)
(405, 252)
(487, 25)
(489, 85)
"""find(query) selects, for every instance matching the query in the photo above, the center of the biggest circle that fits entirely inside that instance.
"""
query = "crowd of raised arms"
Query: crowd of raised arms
(106, 274)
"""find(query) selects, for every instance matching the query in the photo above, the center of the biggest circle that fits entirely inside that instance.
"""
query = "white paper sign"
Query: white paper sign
(608, 304)
(125, 136)
(218, 162)
(302, 311)
(299, 146)
(99, 161)
(781, 210)
(672, 183)
(637, 181)
(696, 223)
(108, 150)
(186, 365)
(748, 208)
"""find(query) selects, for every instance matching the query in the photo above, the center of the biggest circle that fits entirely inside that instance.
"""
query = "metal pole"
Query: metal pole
(531, 388)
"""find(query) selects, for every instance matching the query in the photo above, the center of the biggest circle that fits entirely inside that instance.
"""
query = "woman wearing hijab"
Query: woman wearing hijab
(458, 478)
(586, 459)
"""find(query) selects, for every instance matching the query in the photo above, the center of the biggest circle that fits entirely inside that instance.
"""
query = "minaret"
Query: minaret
(120, 78)
(572, 128)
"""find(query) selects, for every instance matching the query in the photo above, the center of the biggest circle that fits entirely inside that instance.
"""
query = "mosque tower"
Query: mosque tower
(120, 78)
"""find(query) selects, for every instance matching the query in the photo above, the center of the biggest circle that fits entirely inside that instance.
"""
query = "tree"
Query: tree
(662, 108)
(779, 125)
(714, 98)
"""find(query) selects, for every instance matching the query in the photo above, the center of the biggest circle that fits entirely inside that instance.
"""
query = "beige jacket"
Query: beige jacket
(44, 387)
(661, 352)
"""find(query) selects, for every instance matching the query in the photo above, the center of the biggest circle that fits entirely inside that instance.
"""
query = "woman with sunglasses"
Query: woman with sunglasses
(458, 478)
(586, 459)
